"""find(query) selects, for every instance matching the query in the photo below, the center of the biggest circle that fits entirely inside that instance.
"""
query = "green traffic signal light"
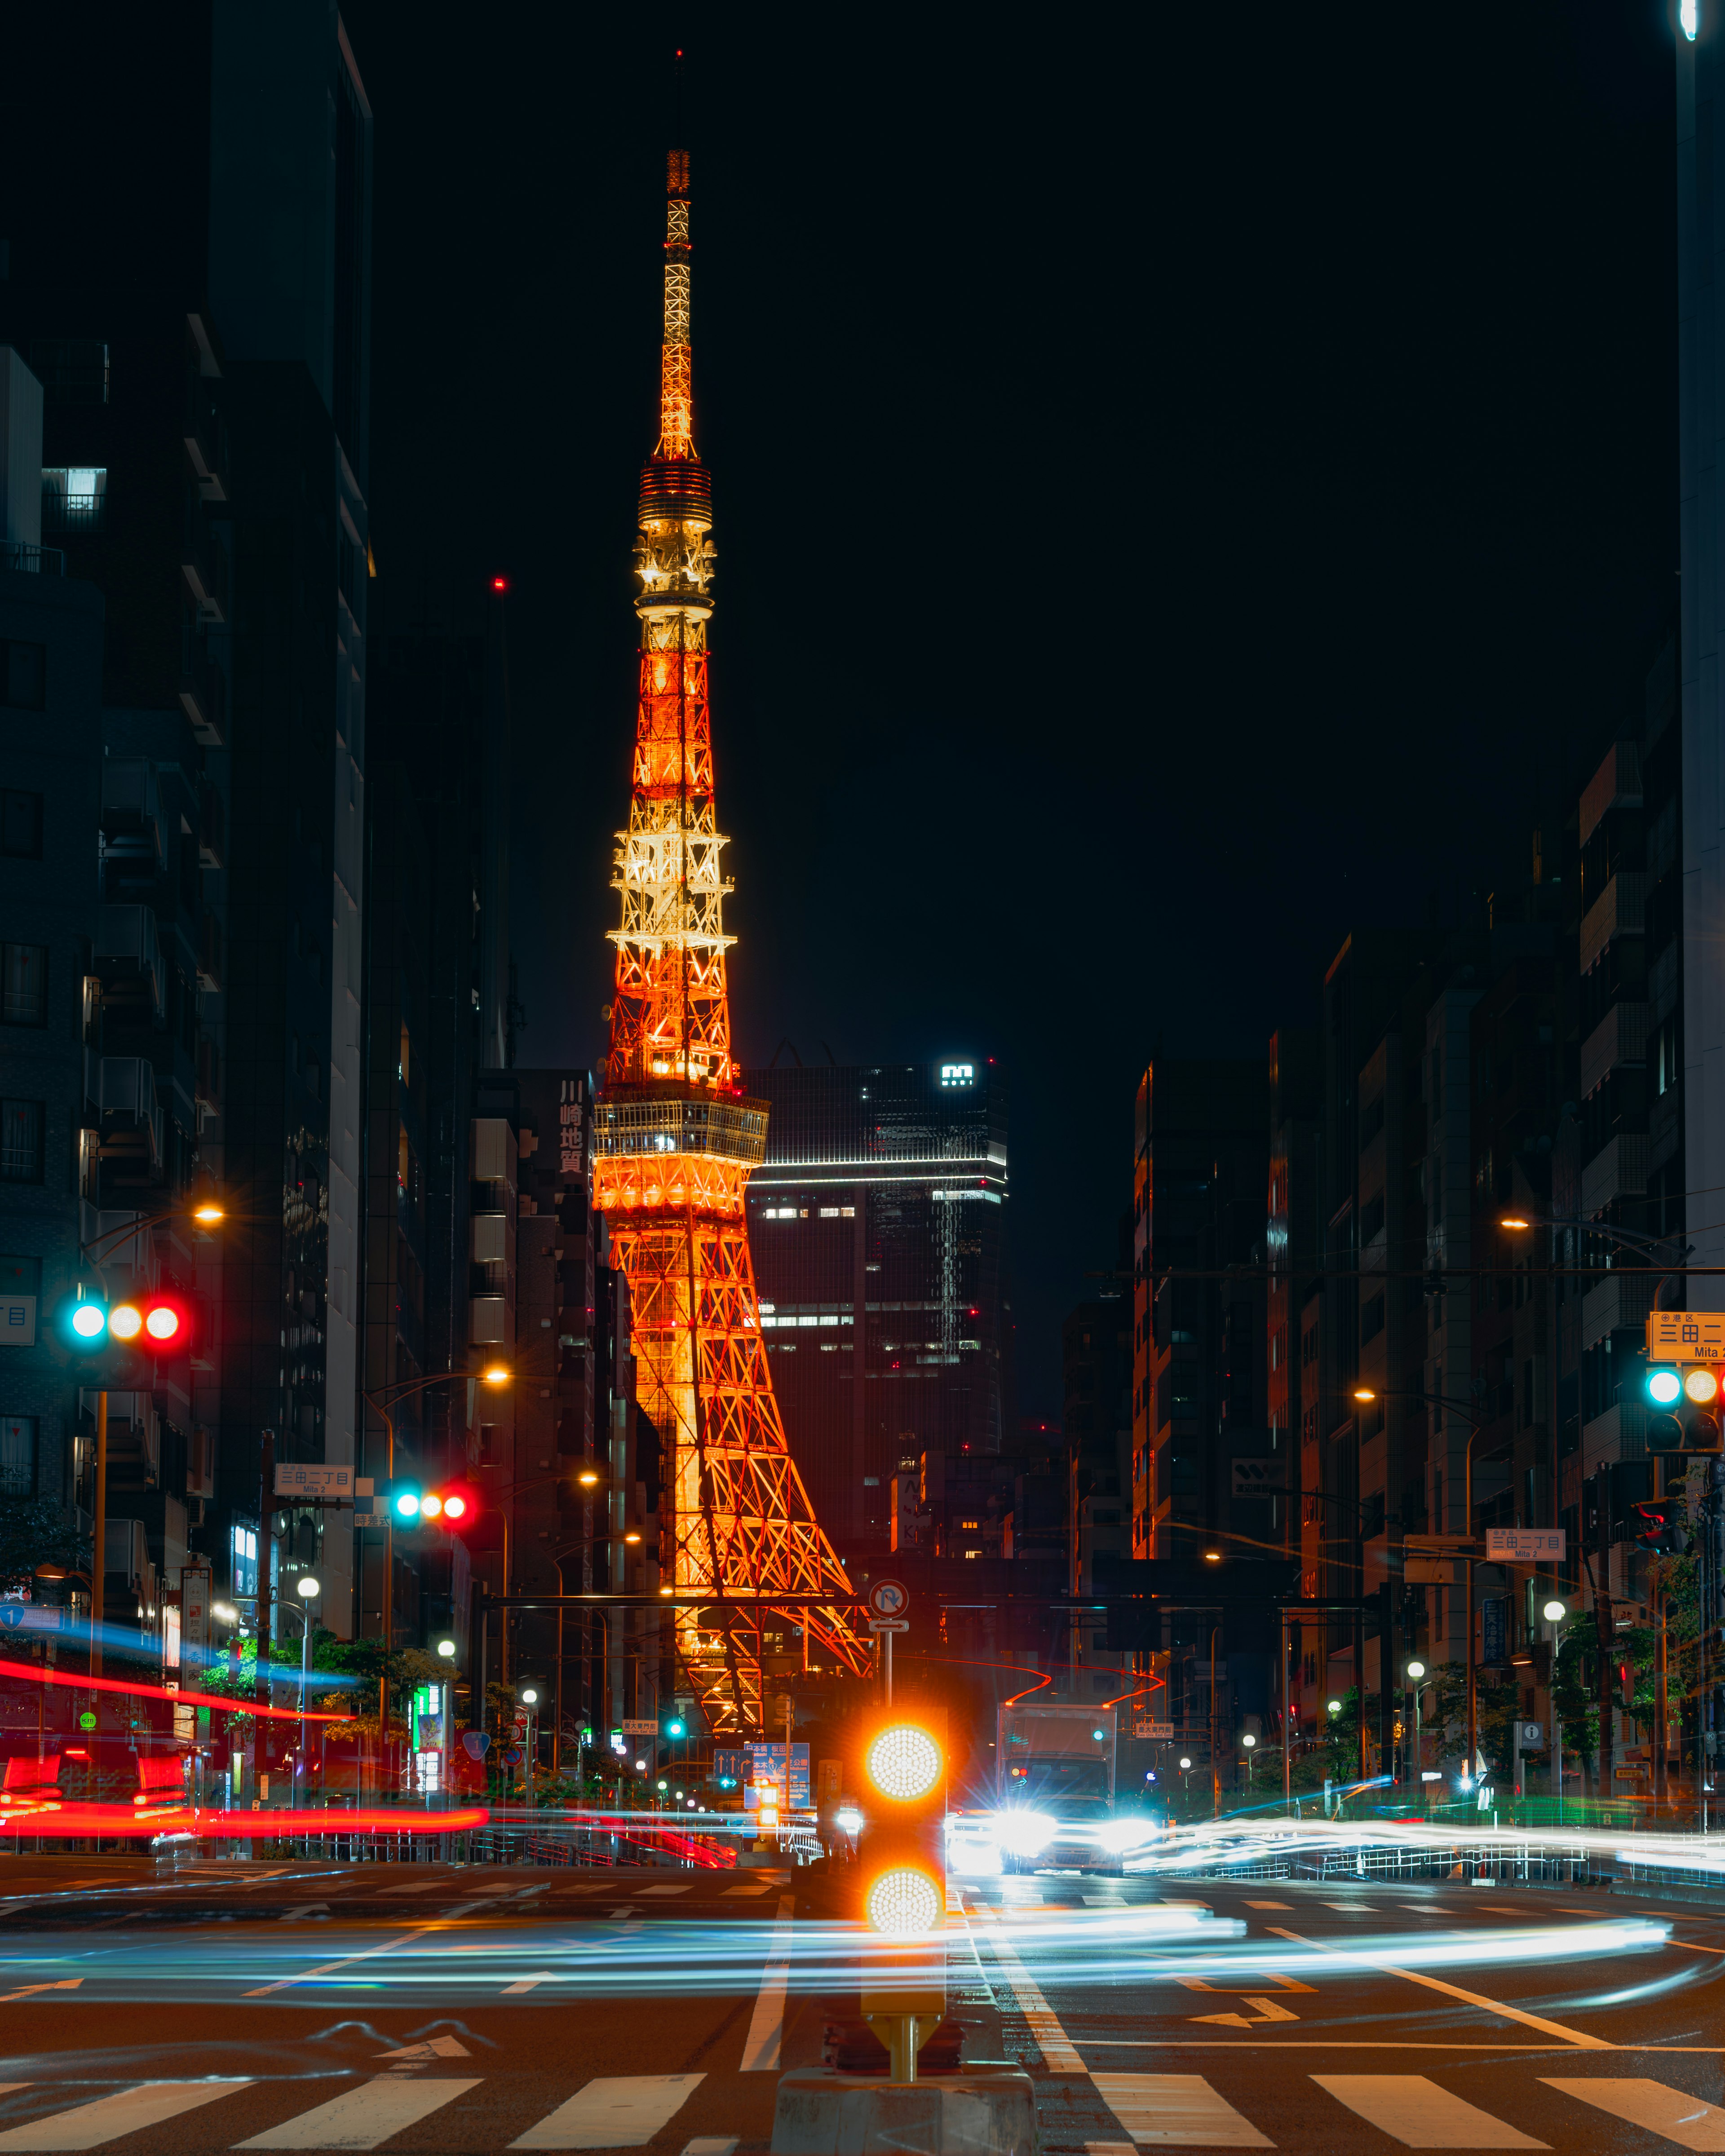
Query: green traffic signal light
(1663, 1386)
(674, 1729)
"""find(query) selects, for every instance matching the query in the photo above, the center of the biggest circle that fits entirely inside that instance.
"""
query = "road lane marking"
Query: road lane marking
(711, 2144)
(1576, 2037)
(1421, 2113)
(1155, 2108)
(418, 1887)
(64, 1983)
(325, 1969)
(761, 2046)
(526, 1983)
(360, 2117)
(625, 2111)
(1055, 2046)
(1671, 2112)
(1270, 1905)
(1347, 1908)
(127, 2111)
(662, 1890)
(729, 1891)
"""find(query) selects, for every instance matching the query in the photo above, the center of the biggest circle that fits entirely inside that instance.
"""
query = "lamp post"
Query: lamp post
(530, 1700)
(310, 1588)
(1416, 1674)
(1554, 1613)
(446, 1654)
(1251, 1744)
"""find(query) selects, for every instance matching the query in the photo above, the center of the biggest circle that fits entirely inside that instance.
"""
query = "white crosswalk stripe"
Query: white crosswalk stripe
(1181, 2108)
(127, 2111)
(623, 2113)
(1422, 2114)
(1679, 2116)
(761, 2046)
(360, 2118)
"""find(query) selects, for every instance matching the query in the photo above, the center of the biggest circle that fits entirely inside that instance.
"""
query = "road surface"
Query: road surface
(423, 2008)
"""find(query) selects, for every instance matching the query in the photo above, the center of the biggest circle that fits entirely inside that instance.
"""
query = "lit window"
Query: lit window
(847, 1212)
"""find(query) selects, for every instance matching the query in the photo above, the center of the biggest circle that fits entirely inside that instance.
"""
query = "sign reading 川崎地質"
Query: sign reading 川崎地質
(1686, 1335)
(1525, 1545)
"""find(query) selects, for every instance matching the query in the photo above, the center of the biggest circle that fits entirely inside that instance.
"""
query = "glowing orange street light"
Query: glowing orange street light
(1514, 1222)
(1364, 1393)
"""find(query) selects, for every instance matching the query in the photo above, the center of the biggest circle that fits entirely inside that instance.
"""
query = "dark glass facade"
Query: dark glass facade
(878, 1225)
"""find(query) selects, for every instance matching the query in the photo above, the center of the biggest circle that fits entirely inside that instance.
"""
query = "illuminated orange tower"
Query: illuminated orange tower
(676, 1138)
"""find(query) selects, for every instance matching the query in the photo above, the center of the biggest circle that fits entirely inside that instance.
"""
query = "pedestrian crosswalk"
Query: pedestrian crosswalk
(1151, 2110)
(1187, 2111)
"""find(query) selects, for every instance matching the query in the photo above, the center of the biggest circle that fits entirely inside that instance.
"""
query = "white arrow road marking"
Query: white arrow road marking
(526, 1983)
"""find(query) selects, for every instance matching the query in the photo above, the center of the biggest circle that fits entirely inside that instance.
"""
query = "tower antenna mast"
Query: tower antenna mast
(676, 1138)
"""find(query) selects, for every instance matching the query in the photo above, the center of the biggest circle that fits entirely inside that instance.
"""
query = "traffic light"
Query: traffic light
(451, 1505)
(901, 1850)
(1660, 1526)
(158, 1324)
(1683, 1400)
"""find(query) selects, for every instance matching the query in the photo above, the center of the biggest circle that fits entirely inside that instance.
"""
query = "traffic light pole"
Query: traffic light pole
(98, 1567)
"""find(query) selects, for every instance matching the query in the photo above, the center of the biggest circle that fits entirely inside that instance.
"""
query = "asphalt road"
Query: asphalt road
(486, 2009)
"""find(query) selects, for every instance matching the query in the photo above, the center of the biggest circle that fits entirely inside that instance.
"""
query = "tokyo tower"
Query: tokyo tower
(676, 1138)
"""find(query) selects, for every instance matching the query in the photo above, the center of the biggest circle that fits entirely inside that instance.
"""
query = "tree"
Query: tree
(33, 1532)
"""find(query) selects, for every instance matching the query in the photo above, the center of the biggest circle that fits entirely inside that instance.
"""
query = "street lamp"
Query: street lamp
(1251, 1742)
(1554, 1613)
(309, 1587)
(1416, 1672)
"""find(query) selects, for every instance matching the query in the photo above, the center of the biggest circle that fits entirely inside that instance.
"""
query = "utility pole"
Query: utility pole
(266, 1514)
(99, 1566)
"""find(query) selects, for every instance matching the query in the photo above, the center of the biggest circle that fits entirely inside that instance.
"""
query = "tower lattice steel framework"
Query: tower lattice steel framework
(676, 1140)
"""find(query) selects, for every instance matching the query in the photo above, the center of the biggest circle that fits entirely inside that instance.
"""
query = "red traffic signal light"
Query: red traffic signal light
(456, 1505)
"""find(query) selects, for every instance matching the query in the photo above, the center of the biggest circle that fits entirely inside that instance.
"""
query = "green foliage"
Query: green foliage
(33, 1532)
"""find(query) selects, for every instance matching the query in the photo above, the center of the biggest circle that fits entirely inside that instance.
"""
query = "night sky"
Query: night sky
(1187, 480)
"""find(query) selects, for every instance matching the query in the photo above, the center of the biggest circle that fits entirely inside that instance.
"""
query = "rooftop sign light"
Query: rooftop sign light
(957, 1073)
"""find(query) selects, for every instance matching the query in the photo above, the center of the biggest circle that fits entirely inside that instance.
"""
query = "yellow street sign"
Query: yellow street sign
(1686, 1335)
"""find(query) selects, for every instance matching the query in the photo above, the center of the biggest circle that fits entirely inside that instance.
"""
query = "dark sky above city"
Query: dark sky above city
(1188, 480)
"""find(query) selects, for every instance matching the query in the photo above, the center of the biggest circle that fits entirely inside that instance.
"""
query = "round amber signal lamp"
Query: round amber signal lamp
(903, 1904)
(127, 1321)
(903, 1762)
(1701, 1385)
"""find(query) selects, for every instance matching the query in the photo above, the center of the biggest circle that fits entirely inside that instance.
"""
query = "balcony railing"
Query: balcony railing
(73, 513)
(16, 554)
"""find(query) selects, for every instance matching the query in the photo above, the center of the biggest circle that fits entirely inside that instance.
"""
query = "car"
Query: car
(1073, 1834)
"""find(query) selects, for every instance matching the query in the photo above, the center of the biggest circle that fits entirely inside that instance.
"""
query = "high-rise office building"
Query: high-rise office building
(193, 299)
(879, 1227)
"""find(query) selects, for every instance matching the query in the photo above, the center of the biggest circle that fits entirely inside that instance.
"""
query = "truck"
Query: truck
(1056, 1775)
(1050, 1753)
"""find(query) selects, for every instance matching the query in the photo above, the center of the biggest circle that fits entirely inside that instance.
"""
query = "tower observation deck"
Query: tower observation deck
(675, 1137)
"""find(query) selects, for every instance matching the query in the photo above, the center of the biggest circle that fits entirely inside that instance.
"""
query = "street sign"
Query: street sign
(1531, 1735)
(638, 1728)
(1686, 1335)
(11, 1615)
(889, 1623)
(1159, 1731)
(1525, 1545)
(889, 1597)
(1259, 1478)
(512, 1757)
(1492, 1629)
(296, 1478)
(475, 1743)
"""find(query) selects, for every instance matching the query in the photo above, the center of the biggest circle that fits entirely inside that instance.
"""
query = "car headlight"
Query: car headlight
(1023, 1833)
(1116, 1834)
